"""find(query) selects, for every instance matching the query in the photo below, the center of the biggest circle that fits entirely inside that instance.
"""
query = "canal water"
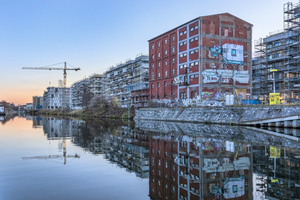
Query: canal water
(56, 158)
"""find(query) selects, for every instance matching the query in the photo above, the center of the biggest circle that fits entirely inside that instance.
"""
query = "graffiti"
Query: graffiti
(214, 76)
(231, 53)
(211, 95)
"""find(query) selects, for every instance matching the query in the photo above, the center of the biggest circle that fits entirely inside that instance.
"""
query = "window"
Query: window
(158, 74)
(192, 28)
(196, 38)
(192, 52)
(166, 83)
(165, 95)
(152, 76)
(158, 54)
(152, 85)
(181, 55)
(152, 66)
(181, 66)
(233, 52)
(173, 38)
(196, 63)
(196, 75)
(181, 33)
(173, 60)
(166, 41)
(173, 71)
(158, 44)
(166, 52)
(196, 27)
(166, 73)
(184, 54)
(180, 44)
(166, 62)
(192, 40)
(159, 64)
(158, 84)
(234, 189)
(192, 64)
(196, 50)
(173, 82)
(152, 56)
(166, 164)
(192, 76)
(184, 65)
(152, 47)
(173, 49)
(184, 32)
(184, 42)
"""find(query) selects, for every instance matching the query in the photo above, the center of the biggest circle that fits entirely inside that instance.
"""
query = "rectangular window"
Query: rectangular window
(180, 66)
(196, 27)
(184, 54)
(196, 63)
(192, 76)
(192, 40)
(196, 38)
(192, 64)
(166, 41)
(233, 52)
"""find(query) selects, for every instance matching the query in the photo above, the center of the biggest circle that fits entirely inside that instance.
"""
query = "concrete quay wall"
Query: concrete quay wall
(240, 115)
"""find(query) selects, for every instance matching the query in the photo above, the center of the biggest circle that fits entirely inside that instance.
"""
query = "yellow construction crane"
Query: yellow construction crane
(57, 68)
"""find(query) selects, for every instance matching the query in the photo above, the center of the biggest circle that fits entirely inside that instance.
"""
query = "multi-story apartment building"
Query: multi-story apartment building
(37, 102)
(207, 54)
(96, 84)
(279, 51)
(78, 90)
(57, 97)
(126, 77)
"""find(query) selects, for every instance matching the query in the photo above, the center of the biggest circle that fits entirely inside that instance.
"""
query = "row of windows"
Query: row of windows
(191, 40)
(191, 64)
(166, 53)
(194, 76)
(166, 63)
(182, 33)
(194, 51)
(182, 55)
(166, 42)
(165, 83)
(194, 28)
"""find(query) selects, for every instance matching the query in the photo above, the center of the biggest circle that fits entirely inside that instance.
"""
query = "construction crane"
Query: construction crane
(65, 156)
(57, 68)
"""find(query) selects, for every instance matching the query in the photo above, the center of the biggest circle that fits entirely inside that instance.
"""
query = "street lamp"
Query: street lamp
(274, 70)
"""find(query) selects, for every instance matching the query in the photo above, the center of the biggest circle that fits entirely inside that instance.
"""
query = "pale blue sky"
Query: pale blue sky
(96, 34)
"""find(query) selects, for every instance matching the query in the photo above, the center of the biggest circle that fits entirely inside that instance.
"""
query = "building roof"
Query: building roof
(199, 19)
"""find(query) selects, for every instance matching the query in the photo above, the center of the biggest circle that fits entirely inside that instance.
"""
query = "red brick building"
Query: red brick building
(207, 54)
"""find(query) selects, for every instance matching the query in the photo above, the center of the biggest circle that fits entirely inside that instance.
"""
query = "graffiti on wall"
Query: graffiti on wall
(232, 53)
(211, 95)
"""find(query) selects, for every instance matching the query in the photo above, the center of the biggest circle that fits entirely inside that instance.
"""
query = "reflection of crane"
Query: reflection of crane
(52, 68)
(65, 156)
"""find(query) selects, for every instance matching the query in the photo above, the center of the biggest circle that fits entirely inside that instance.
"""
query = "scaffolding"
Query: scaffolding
(280, 50)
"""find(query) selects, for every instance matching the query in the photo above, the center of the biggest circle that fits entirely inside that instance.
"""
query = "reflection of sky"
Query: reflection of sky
(89, 177)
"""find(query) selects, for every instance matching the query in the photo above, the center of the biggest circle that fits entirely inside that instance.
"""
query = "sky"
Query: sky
(96, 34)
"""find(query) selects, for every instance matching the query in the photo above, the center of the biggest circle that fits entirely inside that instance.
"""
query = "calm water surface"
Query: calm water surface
(50, 158)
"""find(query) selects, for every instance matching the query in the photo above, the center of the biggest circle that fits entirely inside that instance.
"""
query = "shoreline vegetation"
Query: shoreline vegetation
(97, 109)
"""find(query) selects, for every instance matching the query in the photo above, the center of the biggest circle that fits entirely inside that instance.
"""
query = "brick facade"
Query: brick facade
(207, 54)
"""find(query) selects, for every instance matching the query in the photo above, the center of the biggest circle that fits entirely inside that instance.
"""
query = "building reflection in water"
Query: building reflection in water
(214, 162)
(183, 167)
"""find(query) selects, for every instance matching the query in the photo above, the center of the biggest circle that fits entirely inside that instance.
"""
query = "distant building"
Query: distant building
(279, 51)
(57, 97)
(96, 84)
(78, 89)
(37, 102)
(130, 76)
(207, 54)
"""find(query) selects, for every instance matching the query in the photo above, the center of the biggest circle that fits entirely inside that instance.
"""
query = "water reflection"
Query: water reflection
(190, 161)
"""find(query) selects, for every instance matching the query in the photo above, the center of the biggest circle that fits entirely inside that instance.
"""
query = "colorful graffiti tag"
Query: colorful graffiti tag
(211, 95)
